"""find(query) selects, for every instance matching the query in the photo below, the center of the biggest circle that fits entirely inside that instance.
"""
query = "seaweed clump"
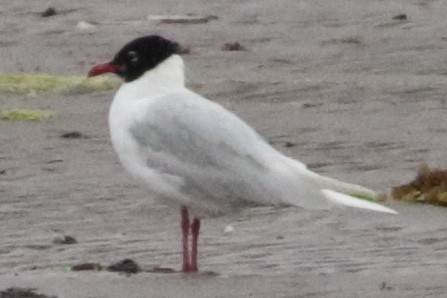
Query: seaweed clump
(26, 115)
(39, 83)
(429, 186)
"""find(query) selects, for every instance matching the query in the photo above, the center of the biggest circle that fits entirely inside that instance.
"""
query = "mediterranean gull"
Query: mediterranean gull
(194, 154)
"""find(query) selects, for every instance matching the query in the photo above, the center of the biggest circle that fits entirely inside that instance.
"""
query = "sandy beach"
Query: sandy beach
(353, 88)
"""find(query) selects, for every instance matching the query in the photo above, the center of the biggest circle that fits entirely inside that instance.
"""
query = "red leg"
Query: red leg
(185, 239)
(195, 228)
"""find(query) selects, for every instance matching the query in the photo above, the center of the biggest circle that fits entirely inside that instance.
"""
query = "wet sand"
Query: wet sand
(340, 85)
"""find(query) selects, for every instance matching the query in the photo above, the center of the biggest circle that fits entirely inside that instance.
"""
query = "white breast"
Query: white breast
(130, 106)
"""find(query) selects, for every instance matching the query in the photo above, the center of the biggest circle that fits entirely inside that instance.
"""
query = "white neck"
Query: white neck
(171, 71)
(164, 78)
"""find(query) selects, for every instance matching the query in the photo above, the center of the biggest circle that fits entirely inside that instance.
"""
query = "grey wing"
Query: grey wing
(219, 157)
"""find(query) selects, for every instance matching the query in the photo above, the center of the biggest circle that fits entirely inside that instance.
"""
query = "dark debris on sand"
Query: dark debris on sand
(400, 17)
(126, 266)
(87, 267)
(65, 240)
(161, 270)
(72, 135)
(49, 12)
(233, 46)
(22, 293)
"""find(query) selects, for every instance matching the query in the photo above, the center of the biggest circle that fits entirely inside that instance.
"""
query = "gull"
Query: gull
(194, 155)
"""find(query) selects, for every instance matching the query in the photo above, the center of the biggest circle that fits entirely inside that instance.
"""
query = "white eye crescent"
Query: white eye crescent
(133, 56)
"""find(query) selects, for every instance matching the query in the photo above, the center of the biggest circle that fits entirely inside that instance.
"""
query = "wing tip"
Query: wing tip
(347, 200)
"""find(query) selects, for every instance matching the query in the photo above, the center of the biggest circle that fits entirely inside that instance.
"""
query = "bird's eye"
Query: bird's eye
(133, 56)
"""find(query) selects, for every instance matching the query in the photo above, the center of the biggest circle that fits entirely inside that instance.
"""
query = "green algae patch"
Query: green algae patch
(429, 186)
(26, 115)
(40, 83)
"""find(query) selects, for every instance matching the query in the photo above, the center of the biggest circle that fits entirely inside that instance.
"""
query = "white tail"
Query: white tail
(346, 200)
(316, 191)
(340, 186)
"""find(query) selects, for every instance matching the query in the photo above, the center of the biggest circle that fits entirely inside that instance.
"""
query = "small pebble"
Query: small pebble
(126, 266)
(65, 240)
(228, 229)
(49, 12)
(289, 144)
(85, 26)
(233, 46)
(400, 17)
